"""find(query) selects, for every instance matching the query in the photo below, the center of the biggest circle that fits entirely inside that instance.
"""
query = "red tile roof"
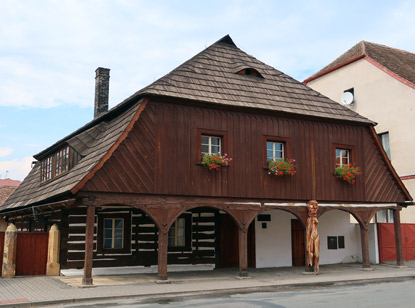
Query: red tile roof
(9, 182)
(398, 63)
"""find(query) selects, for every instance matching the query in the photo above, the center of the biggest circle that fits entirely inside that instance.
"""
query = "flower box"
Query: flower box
(281, 167)
(347, 173)
(215, 161)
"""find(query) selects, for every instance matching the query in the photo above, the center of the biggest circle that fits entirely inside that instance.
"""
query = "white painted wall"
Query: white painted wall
(373, 244)
(337, 223)
(273, 244)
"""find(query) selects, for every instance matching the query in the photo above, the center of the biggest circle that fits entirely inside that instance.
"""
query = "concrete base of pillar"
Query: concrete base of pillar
(367, 269)
(87, 282)
(310, 273)
(400, 266)
(165, 281)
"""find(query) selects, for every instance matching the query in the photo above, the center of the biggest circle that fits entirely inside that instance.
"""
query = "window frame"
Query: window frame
(50, 164)
(286, 147)
(126, 233)
(381, 140)
(187, 234)
(212, 133)
(350, 148)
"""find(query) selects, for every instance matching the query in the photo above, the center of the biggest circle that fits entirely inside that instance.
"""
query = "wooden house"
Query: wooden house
(129, 187)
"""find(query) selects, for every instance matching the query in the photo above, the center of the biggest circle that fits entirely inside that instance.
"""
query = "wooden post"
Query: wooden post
(162, 256)
(364, 238)
(9, 253)
(398, 237)
(243, 252)
(89, 246)
(53, 266)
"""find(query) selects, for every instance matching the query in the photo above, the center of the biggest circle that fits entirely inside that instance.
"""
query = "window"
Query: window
(384, 216)
(113, 233)
(47, 168)
(384, 140)
(342, 157)
(55, 165)
(62, 161)
(250, 71)
(275, 150)
(335, 242)
(210, 144)
(179, 237)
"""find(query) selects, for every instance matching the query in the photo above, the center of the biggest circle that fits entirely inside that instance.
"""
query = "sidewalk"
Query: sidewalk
(140, 282)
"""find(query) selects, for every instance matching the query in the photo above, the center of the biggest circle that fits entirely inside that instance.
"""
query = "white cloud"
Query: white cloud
(16, 169)
(5, 151)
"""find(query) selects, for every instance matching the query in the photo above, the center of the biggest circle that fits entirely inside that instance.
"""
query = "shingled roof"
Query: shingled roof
(210, 77)
(399, 63)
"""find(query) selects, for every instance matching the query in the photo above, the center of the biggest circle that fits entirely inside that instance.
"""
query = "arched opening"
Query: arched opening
(279, 237)
(208, 235)
(340, 239)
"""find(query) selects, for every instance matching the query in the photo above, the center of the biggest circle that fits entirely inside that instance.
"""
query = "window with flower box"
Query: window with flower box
(275, 148)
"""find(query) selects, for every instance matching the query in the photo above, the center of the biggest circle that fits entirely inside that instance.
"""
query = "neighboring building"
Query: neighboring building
(129, 188)
(7, 186)
(378, 82)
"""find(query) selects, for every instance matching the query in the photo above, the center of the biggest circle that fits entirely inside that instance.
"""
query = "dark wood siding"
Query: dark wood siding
(143, 246)
(160, 156)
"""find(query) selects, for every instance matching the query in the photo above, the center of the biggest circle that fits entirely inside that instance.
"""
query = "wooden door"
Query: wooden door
(31, 253)
(229, 243)
(297, 243)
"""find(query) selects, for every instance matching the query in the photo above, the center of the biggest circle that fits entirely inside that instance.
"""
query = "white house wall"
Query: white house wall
(273, 244)
(337, 223)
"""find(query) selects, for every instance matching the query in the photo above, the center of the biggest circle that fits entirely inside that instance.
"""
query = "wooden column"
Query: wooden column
(398, 237)
(89, 245)
(364, 238)
(162, 256)
(243, 252)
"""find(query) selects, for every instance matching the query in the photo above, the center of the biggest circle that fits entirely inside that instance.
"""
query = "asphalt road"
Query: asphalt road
(393, 294)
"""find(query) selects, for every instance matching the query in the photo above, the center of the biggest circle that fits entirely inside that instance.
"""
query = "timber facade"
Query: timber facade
(138, 194)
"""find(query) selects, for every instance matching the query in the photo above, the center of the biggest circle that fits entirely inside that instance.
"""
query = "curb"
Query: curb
(174, 296)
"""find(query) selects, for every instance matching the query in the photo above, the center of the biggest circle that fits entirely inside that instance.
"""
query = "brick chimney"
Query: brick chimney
(102, 81)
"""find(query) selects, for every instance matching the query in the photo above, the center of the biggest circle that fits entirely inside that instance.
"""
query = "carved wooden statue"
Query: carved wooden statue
(313, 238)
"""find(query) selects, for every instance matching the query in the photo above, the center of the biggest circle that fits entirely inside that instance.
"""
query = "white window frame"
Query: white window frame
(385, 141)
(210, 144)
(175, 237)
(113, 233)
(274, 151)
(341, 155)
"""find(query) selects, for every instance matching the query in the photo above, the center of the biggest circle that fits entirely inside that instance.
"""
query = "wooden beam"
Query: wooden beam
(365, 246)
(162, 256)
(398, 237)
(243, 252)
(89, 246)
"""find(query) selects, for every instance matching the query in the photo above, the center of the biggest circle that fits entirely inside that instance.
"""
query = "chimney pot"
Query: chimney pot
(102, 80)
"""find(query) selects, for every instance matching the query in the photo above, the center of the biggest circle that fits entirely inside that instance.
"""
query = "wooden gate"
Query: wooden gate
(31, 253)
(386, 240)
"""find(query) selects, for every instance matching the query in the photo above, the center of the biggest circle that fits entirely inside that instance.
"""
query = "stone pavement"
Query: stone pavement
(140, 283)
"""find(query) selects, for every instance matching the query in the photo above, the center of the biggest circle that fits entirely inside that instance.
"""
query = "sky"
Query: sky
(49, 51)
